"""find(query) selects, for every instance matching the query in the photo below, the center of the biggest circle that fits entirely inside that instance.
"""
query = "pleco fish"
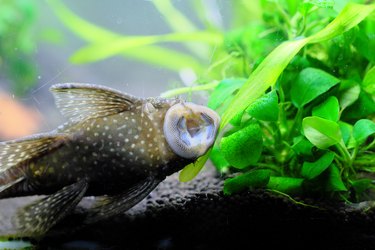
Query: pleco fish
(114, 145)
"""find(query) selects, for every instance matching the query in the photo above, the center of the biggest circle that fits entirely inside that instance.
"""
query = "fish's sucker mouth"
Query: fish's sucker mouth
(190, 129)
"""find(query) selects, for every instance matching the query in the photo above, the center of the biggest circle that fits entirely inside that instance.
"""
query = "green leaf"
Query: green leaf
(265, 108)
(329, 109)
(223, 91)
(253, 179)
(363, 129)
(310, 170)
(335, 182)
(321, 132)
(266, 74)
(191, 170)
(368, 83)
(323, 3)
(218, 159)
(302, 146)
(310, 84)
(346, 131)
(287, 185)
(361, 185)
(243, 147)
(363, 107)
(292, 6)
(349, 96)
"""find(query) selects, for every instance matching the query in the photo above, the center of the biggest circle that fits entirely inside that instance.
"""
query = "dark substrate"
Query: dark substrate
(197, 215)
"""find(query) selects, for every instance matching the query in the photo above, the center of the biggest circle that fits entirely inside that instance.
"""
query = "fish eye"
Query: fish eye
(190, 129)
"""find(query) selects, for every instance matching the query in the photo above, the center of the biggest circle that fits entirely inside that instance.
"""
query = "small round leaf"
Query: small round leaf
(321, 132)
(243, 147)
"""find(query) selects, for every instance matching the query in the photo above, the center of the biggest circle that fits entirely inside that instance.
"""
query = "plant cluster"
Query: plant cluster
(294, 82)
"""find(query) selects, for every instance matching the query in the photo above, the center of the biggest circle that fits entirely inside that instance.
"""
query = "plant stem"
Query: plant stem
(269, 166)
(296, 123)
(184, 90)
(221, 61)
(293, 200)
(354, 154)
(346, 156)
(372, 144)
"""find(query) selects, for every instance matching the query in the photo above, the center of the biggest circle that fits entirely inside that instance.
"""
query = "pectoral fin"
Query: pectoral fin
(37, 218)
(114, 205)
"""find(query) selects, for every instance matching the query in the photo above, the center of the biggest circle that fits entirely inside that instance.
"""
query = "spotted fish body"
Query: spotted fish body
(114, 145)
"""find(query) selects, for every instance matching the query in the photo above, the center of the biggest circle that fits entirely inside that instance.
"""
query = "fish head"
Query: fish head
(190, 129)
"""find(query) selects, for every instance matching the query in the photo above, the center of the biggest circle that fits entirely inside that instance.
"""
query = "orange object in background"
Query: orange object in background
(16, 120)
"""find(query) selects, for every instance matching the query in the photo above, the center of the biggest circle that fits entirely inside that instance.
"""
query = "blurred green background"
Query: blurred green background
(36, 45)
(148, 47)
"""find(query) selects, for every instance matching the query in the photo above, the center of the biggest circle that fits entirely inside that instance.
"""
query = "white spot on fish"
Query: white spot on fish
(122, 127)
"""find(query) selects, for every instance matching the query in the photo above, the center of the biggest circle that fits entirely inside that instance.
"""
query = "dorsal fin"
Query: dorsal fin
(13, 153)
(79, 102)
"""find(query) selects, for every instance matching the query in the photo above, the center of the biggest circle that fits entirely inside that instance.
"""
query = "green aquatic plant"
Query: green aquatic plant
(310, 128)
(17, 45)
(292, 80)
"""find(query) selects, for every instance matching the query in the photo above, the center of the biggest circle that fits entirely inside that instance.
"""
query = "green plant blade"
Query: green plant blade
(329, 109)
(350, 16)
(179, 23)
(265, 108)
(273, 65)
(310, 84)
(190, 171)
(167, 58)
(287, 185)
(175, 19)
(321, 132)
(223, 91)
(363, 129)
(253, 179)
(262, 78)
(368, 83)
(310, 170)
(99, 51)
(76, 24)
(243, 147)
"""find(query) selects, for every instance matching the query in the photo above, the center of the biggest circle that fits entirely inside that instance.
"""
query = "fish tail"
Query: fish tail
(15, 156)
